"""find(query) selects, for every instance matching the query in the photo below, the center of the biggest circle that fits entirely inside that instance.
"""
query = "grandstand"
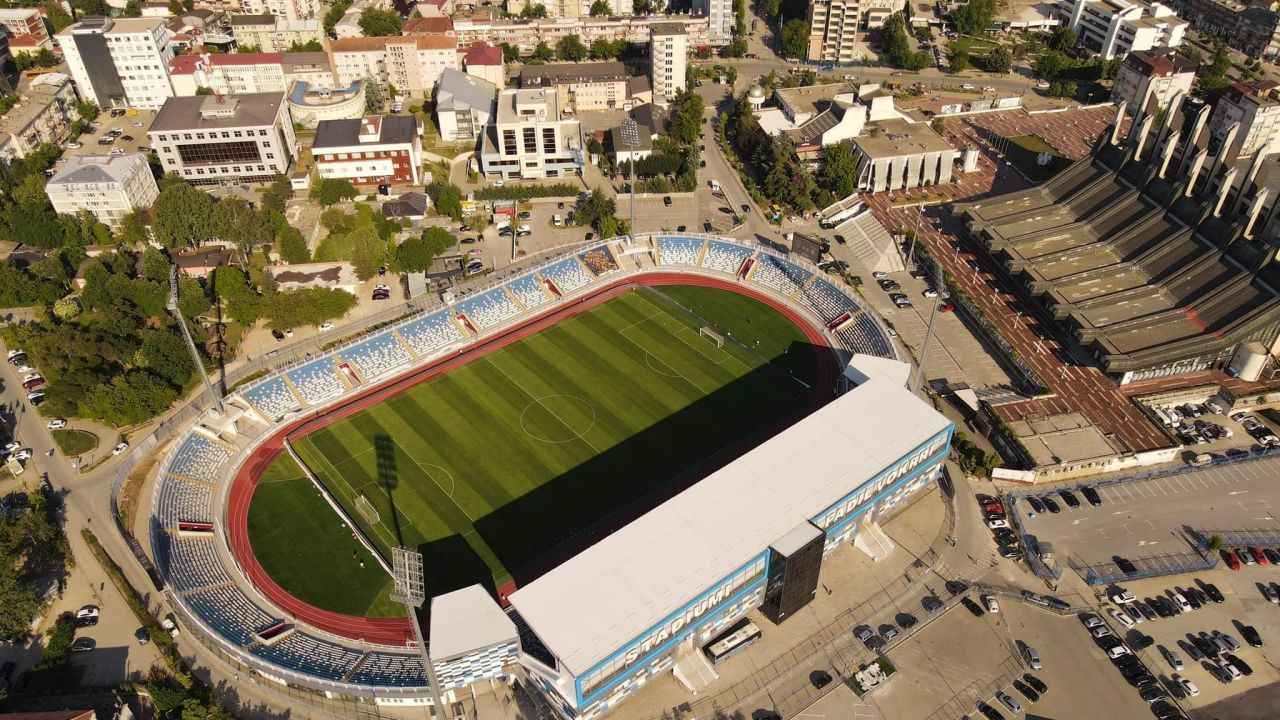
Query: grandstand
(212, 591)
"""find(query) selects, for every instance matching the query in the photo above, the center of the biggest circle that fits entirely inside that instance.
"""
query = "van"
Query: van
(557, 220)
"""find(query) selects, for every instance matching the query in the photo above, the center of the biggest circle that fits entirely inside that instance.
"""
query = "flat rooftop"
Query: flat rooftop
(813, 98)
(203, 112)
(893, 138)
(1067, 439)
(624, 585)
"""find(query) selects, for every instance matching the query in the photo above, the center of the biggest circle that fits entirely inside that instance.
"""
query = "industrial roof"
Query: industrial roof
(466, 620)
(616, 590)
(535, 76)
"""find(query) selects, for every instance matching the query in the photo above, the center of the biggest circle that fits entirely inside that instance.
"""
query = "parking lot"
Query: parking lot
(1151, 517)
(131, 126)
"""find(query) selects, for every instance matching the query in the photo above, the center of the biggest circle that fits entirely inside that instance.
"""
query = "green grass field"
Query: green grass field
(498, 468)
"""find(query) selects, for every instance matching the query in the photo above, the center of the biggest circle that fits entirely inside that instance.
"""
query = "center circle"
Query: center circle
(557, 418)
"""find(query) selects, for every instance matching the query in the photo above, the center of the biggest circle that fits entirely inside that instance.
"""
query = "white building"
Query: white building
(525, 35)
(272, 34)
(285, 9)
(218, 140)
(44, 114)
(896, 154)
(464, 105)
(412, 64)
(720, 16)
(1152, 76)
(370, 150)
(485, 62)
(1116, 27)
(581, 86)
(1253, 107)
(109, 186)
(528, 138)
(121, 62)
(834, 26)
(668, 54)
(241, 73)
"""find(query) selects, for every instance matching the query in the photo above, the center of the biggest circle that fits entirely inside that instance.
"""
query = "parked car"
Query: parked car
(1008, 701)
(121, 447)
(87, 616)
(83, 644)
(1092, 496)
(1250, 635)
(56, 424)
(990, 602)
(1031, 656)
(1187, 686)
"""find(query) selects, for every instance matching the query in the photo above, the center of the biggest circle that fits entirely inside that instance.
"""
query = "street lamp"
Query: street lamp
(629, 131)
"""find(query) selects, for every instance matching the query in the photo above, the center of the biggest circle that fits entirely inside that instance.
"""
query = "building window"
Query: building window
(530, 141)
(223, 153)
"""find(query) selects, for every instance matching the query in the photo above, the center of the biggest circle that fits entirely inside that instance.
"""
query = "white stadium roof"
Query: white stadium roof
(598, 601)
(466, 620)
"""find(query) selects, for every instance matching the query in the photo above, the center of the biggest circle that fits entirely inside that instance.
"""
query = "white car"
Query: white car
(14, 353)
(73, 145)
(325, 327)
(1182, 603)
(1117, 651)
(24, 454)
(31, 376)
(116, 151)
(997, 523)
(879, 274)
(1230, 641)
(26, 369)
(1187, 685)
(1229, 670)
(120, 448)
(170, 626)
(1100, 631)
(1120, 617)
(1124, 597)
(989, 601)
(57, 424)
(10, 447)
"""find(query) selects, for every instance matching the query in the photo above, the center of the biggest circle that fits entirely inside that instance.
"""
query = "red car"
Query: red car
(1258, 555)
(1233, 562)
(947, 307)
(993, 507)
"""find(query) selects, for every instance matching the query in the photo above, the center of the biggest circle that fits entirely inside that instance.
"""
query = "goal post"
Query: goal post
(367, 510)
(715, 337)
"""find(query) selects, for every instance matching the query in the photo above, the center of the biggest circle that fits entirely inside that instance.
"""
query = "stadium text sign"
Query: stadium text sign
(689, 616)
(860, 497)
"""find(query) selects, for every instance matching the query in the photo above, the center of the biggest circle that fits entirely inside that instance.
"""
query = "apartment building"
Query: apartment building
(109, 186)
(120, 62)
(464, 105)
(369, 150)
(580, 87)
(284, 9)
(44, 114)
(241, 73)
(24, 22)
(571, 9)
(1116, 27)
(525, 35)
(1148, 77)
(529, 139)
(272, 34)
(719, 19)
(485, 62)
(1252, 29)
(668, 54)
(412, 64)
(834, 25)
(1255, 108)
(225, 139)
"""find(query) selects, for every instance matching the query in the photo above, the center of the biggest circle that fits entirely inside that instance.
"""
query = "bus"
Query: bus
(737, 638)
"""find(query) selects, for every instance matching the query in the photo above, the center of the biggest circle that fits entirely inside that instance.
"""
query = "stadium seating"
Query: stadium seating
(679, 251)
(725, 257)
(826, 301)
(488, 308)
(194, 564)
(431, 333)
(273, 398)
(317, 381)
(568, 274)
(310, 655)
(199, 459)
(779, 274)
(863, 335)
(179, 501)
(598, 260)
(391, 669)
(377, 356)
(528, 291)
(230, 612)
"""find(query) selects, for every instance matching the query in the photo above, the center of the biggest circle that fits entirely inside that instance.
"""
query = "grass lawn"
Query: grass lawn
(1024, 150)
(75, 442)
(499, 468)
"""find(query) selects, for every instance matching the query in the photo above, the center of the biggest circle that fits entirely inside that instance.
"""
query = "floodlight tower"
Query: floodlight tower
(410, 590)
(630, 132)
(186, 334)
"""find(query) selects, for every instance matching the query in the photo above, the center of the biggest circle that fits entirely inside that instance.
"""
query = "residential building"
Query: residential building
(525, 35)
(719, 18)
(1258, 34)
(435, 8)
(1255, 108)
(896, 154)
(349, 25)
(241, 73)
(834, 26)
(1116, 27)
(630, 149)
(224, 139)
(44, 114)
(28, 45)
(120, 62)
(370, 150)
(581, 87)
(412, 64)
(464, 105)
(289, 10)
(529, 139)
(22, 22)
(427, 25)
(272, 34)
(1152, 76)
(109, 186)
(485, 62)
(668, 53)
(571, 9)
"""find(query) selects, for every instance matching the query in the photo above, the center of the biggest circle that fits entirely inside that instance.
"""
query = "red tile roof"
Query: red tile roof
(482, 54)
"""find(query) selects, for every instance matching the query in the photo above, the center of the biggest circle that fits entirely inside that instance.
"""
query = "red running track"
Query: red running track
(397, 631)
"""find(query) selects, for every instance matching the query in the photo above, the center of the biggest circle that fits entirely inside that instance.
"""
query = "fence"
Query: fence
(1105, 573)
(1268, 537)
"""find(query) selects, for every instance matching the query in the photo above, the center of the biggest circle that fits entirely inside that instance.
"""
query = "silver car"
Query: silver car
(1008, 701)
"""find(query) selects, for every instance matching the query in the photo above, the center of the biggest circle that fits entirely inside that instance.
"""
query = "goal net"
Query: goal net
(712, 335)
(367, 510)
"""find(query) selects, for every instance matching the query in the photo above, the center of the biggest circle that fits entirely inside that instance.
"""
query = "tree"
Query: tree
(974, 17)
(1050, 64)
(602, 49)
(686, 117)
(66, 309)
(239, 224)
(595, 208)
(571, 49)
(59, 18)
(155, 264)
(417, 253)
(277, 194)
(446, 198)
(532, 10)
(128, 399)
(307, 306)
(196, 710)
(543, 52)
(248, 49)
(182, 217)
(374, 96)
(134, 228)
(795, 39)
(331, 191)
(959, 61)
(311, 45)
(510, 53)
(133, 9)
(334, 13)
(839, 172)
(1191, 52)
(600, 8)
(380, 23)
(1215, 543)
(999, 60)
(293, 247)
(1061, 39)
(166, 354)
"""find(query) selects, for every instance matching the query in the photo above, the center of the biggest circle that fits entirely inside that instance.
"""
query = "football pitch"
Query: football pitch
(499, 468)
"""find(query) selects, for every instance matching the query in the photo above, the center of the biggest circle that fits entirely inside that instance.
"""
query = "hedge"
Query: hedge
(526, 192)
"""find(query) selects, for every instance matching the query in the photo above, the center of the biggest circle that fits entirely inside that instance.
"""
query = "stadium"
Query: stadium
(605, 461)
